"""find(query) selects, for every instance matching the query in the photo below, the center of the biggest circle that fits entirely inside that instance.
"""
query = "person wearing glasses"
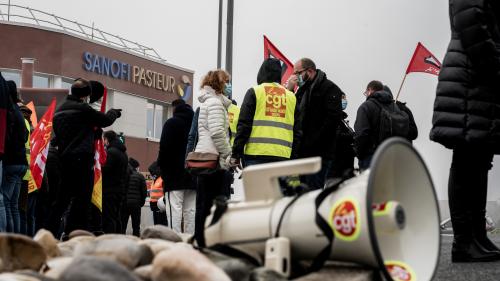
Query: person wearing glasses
(320, 107)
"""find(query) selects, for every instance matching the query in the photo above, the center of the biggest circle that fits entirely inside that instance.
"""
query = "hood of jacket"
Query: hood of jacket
(269, 72)
(118, 145)
(382, 96)
(184, 112)
(207, 92)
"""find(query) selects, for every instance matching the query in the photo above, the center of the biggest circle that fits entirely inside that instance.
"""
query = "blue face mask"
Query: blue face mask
(344, 104)
(228, 90)
(300, 81)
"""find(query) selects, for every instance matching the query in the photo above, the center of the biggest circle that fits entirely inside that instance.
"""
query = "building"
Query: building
(44, 53)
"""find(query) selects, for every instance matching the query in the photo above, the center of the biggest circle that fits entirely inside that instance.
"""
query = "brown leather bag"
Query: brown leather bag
(201, 163)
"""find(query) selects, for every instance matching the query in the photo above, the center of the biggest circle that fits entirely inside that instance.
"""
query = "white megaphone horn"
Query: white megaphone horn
(386, 218)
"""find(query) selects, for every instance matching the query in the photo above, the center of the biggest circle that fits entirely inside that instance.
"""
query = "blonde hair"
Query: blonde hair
(216, 79)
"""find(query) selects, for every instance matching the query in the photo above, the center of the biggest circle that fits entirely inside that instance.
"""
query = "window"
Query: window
(14, 76)
(66, 84)
(40, 81)
(155, 117)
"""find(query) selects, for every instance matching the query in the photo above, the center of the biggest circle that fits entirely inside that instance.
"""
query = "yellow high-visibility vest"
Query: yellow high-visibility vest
(272, 128)
(234, 115)
(27, 175)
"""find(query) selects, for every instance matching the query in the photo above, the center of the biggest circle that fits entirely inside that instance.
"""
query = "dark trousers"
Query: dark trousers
(74, 196)
(28, 219)
(111, 212)
(317, 181)
(135, 213)
(209, 187)
(467, 192)
(160, 218)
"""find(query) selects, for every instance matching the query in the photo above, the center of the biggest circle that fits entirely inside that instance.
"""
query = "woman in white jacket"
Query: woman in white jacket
(213, 128)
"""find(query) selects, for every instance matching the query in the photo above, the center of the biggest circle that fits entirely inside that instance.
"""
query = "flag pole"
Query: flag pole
(400, 87)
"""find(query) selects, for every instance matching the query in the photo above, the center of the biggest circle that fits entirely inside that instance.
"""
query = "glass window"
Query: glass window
(150, 120)
(158, 120)
(14, 76)
(40, 81)
(66, 84)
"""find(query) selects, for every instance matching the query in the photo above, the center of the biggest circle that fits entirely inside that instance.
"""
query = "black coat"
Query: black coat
(4, 104)
(172, 155)
(343, 165)
(467, 104)
(17, 135)
(74, 124)
(137, 189)
(115, 170)
(367, 125)
(320, 115)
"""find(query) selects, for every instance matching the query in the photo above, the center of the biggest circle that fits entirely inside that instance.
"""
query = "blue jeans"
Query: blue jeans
(10, 188)
(317, 181)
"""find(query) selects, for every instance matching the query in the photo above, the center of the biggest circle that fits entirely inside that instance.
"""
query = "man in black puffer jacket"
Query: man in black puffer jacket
(136, 197)
(178, 184)
(367, 125)
(114, 183)
(74, 125)
(319, 102)
(467, 120)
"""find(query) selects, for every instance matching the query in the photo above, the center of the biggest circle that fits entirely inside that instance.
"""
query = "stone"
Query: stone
(34, 274)
(235, 268)
(121, 249)
(160, 232)
(182, 263)
(57, 266)
(20, 252)
(157, 245)
(87, 268)
(266, 274)
(144, 272)
(48, 242)
(117, 236)
(80, 232)
(16, 277)
(67, 247)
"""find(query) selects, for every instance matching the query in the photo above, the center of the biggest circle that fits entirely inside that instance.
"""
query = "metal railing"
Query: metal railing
(21, 14)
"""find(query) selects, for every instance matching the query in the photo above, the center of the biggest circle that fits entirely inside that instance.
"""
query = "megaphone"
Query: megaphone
(386, 218)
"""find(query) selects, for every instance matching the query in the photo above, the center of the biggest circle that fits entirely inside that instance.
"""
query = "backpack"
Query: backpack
(393, 121)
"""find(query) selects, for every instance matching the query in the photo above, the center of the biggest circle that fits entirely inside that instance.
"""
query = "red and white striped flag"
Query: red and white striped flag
(40, 146)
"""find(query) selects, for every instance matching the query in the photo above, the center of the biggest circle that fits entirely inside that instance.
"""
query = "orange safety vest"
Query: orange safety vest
(156, 190)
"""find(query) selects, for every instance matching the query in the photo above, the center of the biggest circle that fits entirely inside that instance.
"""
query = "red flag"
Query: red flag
(39, 144)
(99, 160)
(423, 61)
(270, 51)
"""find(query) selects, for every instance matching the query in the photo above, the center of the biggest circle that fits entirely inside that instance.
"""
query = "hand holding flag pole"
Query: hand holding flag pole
(422, 61)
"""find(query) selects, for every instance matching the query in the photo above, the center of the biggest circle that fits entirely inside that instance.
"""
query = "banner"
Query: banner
(423, 61)
(270, 51)
(40, 147)
(99, 160)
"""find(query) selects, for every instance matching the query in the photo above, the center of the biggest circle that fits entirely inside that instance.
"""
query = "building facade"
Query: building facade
(45, 61)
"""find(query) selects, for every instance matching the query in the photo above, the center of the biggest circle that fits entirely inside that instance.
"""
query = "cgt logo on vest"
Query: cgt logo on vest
(275, 102)
(344, 220)
(400, 271)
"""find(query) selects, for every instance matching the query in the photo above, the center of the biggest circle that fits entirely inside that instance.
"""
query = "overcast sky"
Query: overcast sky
(352, 41)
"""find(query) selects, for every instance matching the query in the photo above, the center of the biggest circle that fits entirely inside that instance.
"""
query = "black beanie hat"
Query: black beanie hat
(270, 71)
(81, 88)
(134, 163)
(97, 91)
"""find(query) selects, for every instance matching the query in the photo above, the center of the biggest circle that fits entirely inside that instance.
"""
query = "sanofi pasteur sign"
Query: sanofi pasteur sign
(125, 71)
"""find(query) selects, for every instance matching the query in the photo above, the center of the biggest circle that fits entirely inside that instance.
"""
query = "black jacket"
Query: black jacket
(367, 123)
(115, 170)
(4, 104)
(17, 135)
(137, 189)
(172, 155)
(467, 104)
(320, 115)
(343, 166)
(74, 123)
(268, 73)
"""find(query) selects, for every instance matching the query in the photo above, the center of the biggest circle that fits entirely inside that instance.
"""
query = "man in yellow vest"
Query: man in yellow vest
(234, 115)
(266, 127)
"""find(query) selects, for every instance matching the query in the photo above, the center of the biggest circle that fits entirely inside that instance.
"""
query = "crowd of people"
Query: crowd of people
(201, 150)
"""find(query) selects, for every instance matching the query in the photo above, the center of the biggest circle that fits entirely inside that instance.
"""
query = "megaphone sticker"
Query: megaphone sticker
(345, 219)
(400, 271)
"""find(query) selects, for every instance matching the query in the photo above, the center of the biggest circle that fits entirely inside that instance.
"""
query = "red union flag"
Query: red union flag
(270, 51)
(99, 160)
(40, 146)
(423, 61)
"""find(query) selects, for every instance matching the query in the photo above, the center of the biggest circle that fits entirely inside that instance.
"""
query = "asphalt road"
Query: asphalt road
(465, 271)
